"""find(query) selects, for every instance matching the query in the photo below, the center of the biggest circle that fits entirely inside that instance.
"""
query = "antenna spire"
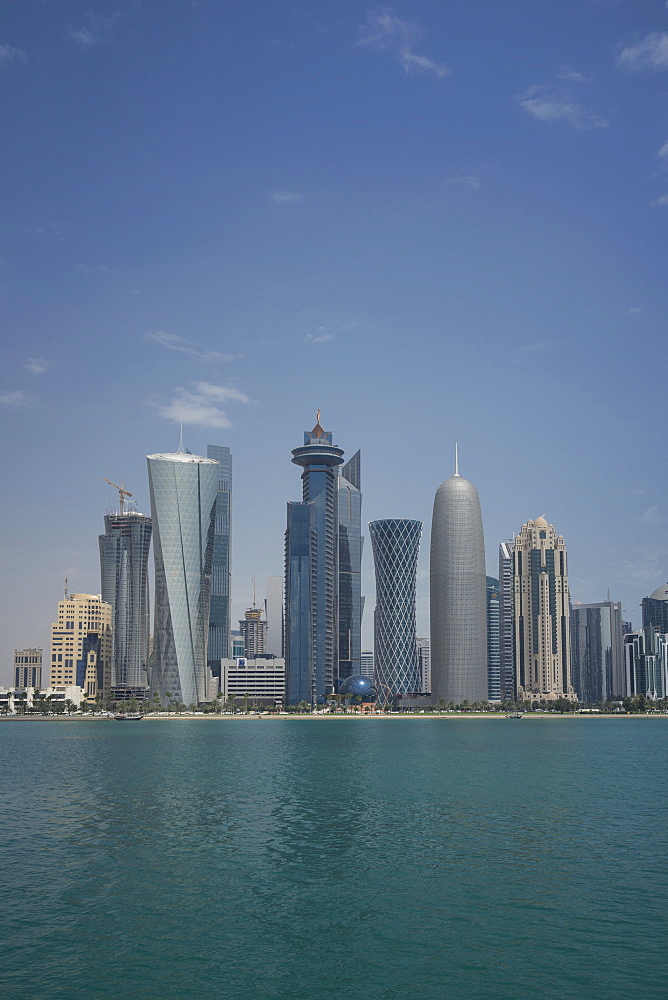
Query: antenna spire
(65, 593)
(181, 448)
(456, 460)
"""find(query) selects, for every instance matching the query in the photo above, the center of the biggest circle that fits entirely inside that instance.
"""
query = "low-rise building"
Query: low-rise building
(27, 668)
(261, 678)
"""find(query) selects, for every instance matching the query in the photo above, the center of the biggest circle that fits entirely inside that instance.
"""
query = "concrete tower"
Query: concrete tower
(458, 605)
(542, 619)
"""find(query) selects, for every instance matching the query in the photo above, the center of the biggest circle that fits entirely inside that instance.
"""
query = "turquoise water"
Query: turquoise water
(370, 859)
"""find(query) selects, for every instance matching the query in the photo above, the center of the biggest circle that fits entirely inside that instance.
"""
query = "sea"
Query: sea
(337, 859)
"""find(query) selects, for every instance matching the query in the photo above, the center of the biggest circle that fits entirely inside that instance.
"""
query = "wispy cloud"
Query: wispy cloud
(175, 343)
(199, 406)
(570, 75)
(9, 55)
(649, 54)
(663, 153)
(286, 197)
(645, 565)
(96, 30)
(319, 337)
(385, 31)
(634, 310)
(469, 180)
(12, 398)
(91, 268)
(654, 515)
(662, 200)
(50, 228)
(554, 104)
(37, 366)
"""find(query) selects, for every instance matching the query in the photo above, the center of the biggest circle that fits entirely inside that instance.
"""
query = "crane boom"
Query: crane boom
(122, 492)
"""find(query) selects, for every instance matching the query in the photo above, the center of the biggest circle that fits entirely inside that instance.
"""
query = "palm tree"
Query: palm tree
(168, 695)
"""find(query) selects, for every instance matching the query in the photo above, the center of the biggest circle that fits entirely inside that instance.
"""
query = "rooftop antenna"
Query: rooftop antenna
(456, 460)
(122, 492)
(254, 601)
(181, 448)
(66, 595)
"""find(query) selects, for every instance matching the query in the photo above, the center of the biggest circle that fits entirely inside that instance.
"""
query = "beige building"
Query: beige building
(542, 619)
(28, 668)
(82, 633)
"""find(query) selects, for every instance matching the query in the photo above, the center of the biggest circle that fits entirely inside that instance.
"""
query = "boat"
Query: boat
(514, 715)
(125, 717)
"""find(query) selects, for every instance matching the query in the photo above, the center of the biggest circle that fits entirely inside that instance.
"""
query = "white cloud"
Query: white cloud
(634, 310)
(470, 180)
(37, 366)
(175, 343)
(96, 31)
(662, 199)
(663, 153)
(570, 75)
(319, 337)
(649, 54)
(285, 197)
(16, 398)
(385, 31)
(10, 55)
(653, 515)
(551, 104)
(199, 408)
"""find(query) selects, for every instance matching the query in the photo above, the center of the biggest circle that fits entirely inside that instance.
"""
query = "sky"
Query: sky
(436, 221)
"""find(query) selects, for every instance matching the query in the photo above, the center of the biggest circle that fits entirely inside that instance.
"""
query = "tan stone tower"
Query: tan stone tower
(542, 619)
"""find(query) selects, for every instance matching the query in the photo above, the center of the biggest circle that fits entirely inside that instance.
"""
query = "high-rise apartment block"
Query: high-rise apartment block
(28, 668)
(396, 543)
(506, 622)
(184, 488)
(457, 600)
(597, 663)
(323, 606)
(542, 632)
(254, 630)
(493, 647)
(646, 663)
(219, 602)
(366, 664)
(81, 644)
(424, 665)
(124, 553)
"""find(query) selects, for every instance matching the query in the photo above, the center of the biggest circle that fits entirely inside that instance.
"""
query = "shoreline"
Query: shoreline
(307, 717)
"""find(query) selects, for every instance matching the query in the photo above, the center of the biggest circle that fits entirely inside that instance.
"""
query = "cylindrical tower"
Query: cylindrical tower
(457, 600)
(396, 543)
(183, 497)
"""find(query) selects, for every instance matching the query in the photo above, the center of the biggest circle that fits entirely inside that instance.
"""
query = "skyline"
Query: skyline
(433, 228)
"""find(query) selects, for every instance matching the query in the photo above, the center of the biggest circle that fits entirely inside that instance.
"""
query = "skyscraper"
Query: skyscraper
(219, 602)
(334, 545)
(493, 649)
(183, 489)
(273, 610)
(542, 621)
(124, 552)
(457, 600)
(597, 662)
(506, 622)
(424, 665)
(396, 543)
(300, 590)
(646, 663)
(28, 668)
(655, 609)
(349, 507)
(254, 630)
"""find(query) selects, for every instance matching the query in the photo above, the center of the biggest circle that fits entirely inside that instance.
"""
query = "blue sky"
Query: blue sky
(435, 221)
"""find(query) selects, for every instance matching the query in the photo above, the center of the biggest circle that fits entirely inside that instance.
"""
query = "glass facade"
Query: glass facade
(219, 604)
(124, 553)
(646, 663)
(396, 543)
(184, 489)
(596, 651)
(506, 622)
(349, 507)
(300, 593)
(493, 649)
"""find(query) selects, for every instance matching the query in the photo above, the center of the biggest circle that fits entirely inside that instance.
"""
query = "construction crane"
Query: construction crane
(122, 492)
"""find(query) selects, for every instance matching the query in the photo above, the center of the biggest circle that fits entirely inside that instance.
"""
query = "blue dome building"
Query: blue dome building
(357, 685)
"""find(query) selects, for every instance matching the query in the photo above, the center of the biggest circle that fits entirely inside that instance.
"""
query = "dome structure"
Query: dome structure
(358, 685)
(540, 522)
(660, 594)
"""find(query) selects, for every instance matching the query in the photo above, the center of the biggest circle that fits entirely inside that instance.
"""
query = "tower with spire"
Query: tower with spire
(458, 593)
(322, 570)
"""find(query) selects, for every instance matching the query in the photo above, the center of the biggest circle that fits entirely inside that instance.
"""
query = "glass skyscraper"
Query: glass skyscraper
(506, 622)
(124, 552)
(396, 543)
(183, 489)
(597, 659)
(219, 605)
(493, 650)
(349, 506)
(300, 591)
